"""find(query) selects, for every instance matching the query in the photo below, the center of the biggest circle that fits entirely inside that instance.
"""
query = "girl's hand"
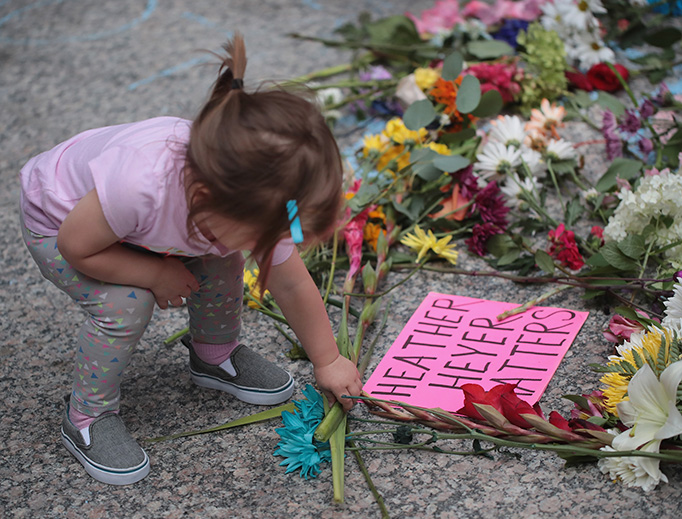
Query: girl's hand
(172, 282)
(339, 378)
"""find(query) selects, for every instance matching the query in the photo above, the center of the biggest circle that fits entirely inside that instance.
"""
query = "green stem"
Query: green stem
(363, 468)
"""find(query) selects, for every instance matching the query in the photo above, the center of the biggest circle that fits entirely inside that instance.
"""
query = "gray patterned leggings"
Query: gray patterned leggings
(118, 316)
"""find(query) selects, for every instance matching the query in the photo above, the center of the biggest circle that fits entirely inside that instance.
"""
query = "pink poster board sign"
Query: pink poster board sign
(454, 340)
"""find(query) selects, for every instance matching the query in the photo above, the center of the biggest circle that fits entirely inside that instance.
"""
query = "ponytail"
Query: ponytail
(230, 74)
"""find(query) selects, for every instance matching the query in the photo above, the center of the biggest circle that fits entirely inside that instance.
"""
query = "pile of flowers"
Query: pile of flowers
(467, 159)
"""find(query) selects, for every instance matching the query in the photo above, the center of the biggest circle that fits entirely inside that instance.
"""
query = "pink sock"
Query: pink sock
(79, 419)
(214, 354)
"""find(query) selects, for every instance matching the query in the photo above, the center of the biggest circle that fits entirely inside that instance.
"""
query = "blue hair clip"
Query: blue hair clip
(294, 222)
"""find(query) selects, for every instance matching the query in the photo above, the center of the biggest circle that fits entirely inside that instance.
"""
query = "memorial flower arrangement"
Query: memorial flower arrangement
(467, 158)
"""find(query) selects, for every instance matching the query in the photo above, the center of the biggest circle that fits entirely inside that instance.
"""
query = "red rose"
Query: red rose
(602, 77)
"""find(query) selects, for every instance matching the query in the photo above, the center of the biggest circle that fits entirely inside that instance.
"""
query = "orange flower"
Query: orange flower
(371, 234)
(452, 203)
(445, 92)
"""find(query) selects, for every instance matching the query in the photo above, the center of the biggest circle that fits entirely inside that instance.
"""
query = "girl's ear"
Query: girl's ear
(198, 193)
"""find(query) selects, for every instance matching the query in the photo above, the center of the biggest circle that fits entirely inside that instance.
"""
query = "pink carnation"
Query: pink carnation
(502, 77)
(441, 17)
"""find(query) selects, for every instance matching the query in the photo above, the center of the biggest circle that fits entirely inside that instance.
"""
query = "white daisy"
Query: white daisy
(673, 309)
(514, 187)
(533, 160)
(590, 50)
(553, 15)
(509, 130)
(496, 158)
(580, 14)
(560, 149)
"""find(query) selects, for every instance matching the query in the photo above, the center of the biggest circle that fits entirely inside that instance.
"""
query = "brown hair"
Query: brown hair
(252, 152)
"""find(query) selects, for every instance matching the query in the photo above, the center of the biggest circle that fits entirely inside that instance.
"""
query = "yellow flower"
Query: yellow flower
(649, 345)
(426, 77)
(439, 148)
(396, 158)
(398, 132)
(423, 242)
(373, 144)
(250, 279)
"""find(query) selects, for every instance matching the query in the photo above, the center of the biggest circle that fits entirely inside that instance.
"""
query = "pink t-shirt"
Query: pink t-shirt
(136, 169)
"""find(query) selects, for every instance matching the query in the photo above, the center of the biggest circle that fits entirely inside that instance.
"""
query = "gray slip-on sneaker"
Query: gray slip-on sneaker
(257, 380)
(113, 456)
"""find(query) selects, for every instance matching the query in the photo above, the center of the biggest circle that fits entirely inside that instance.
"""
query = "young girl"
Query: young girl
(123, 217)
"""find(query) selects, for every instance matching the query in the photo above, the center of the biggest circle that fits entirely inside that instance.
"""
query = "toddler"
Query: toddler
(125, 217)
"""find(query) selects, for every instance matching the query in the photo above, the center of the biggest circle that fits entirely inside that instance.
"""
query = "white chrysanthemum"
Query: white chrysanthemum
(560, 149)
(496, 158)
(580, 14)
(590, 195)
(590, 49)
(553, 15)
(509, 130)
(631, 470)
(673, 309)
(656, 196)
(514, 187)
(533, 160)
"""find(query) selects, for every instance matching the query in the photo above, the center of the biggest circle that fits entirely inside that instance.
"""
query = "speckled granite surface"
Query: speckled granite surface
(69, 65)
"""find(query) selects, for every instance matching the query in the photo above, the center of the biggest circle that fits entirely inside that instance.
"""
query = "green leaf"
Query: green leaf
(469, 94)
(452, 66)
(499, 244)
(454, 138)
(544, 261)
(393, 30)
(509, 257)
(583, 402)
(423, 164)
(664, 37)
(610, 102)
(419, 114)
(268, 414)
(491, 103)
(632, 246)
(616, 258)
(489, 49)
(620, 167)
(450, 163)
(574, 210)
(597, 260)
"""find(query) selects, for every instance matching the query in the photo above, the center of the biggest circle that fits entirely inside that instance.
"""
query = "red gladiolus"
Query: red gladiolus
(578, 80)
(621, 328)
(562, 246)
(475, 394)
(559, 421)
(602, 77)
(513, 407)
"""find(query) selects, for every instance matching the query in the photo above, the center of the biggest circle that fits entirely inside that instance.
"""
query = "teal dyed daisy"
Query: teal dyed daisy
(297, 445)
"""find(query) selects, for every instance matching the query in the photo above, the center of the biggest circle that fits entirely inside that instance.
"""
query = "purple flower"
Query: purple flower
(375, 72)
(647, 109)
(645, 146)
(631, 122)
(614, 147)
(489, 203)
(509, 31)
(662, 96)
(481, 233)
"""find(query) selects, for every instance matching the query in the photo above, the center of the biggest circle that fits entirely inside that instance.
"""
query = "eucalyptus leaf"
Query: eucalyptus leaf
(450, 163)
(509, 257)
(423, 164)
(489, 49)
(452, 66)
(499, 244)
(491, 103)
(469, 94)
(419, 115)
(453, 138)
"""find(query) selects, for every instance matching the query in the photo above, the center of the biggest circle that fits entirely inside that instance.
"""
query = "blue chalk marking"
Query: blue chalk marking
(149, 9)
(201, 20)
(311, 4)
(168, 72)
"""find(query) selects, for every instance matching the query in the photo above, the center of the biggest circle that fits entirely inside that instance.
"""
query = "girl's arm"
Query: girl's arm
(87, 242)
(300, 301)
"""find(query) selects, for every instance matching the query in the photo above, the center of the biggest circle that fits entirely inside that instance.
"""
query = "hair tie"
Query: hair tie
(237, 83)
(294, 222)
